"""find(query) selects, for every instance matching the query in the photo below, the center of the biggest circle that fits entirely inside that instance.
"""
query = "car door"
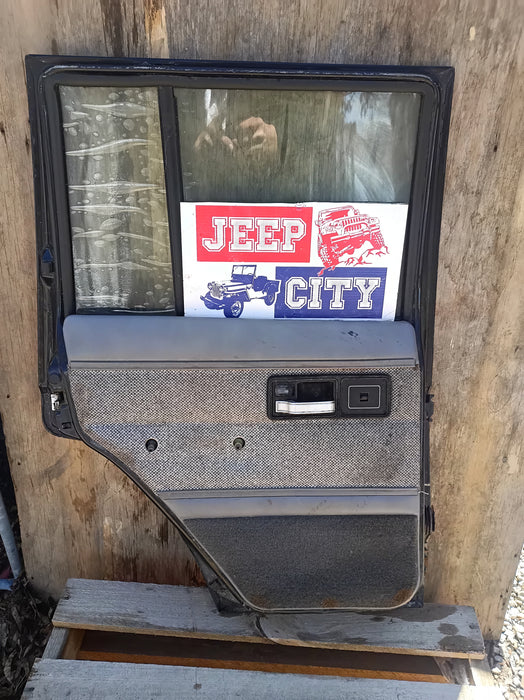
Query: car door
(284, 433)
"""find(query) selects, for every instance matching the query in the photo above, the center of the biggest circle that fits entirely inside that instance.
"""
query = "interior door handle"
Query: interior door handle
(304, 407)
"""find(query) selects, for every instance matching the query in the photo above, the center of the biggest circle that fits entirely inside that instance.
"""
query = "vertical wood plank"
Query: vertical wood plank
(56, 643)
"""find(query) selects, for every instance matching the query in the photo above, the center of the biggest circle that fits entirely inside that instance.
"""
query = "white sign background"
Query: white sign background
(197, 274)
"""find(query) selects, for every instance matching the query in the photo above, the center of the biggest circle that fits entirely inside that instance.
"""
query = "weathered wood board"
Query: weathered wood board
(435, 630)
(79, 515)
(56, 679)
(149, 609)
(56, 643)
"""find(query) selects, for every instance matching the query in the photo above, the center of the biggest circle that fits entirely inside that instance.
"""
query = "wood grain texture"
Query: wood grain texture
(56, 643)
(481, 672)
(179, 611)
(79, 515)
(149, 609)
(57, 679)
(434, 630)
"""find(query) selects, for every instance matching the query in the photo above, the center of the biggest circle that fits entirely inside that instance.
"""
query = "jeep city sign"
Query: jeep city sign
(312, 260)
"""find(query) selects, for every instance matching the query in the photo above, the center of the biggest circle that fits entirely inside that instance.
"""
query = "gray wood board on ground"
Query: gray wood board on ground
(84, 680)
(434, 630)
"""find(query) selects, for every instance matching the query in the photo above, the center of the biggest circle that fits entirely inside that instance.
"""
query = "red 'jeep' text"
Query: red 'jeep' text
(253, 233)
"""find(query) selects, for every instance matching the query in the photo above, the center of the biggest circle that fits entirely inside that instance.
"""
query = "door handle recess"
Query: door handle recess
(297, 408)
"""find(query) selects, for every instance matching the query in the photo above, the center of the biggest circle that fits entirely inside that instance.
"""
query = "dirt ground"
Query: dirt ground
(24, 628)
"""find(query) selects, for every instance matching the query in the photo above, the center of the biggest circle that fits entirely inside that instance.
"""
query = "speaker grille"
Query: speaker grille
(321, 562)
(195, 414)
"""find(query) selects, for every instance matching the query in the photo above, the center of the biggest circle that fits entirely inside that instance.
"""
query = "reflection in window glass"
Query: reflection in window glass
(290, 146)
(118, 212)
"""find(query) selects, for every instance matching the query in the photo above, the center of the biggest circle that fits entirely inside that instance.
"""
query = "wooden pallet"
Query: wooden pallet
(116, 640)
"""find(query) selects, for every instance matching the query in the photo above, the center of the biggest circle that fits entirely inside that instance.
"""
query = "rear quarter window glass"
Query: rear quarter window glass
(117, 199)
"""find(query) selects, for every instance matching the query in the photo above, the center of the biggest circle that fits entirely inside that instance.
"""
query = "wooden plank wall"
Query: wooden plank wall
(79, 516)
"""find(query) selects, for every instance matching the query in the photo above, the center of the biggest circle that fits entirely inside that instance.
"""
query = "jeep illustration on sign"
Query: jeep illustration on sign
(244, 286)
(343, 232)
(307, 260)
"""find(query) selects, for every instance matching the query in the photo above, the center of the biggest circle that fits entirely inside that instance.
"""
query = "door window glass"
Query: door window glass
(296, 146)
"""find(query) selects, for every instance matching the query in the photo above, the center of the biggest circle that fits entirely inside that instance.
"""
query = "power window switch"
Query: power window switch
(365, 395)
